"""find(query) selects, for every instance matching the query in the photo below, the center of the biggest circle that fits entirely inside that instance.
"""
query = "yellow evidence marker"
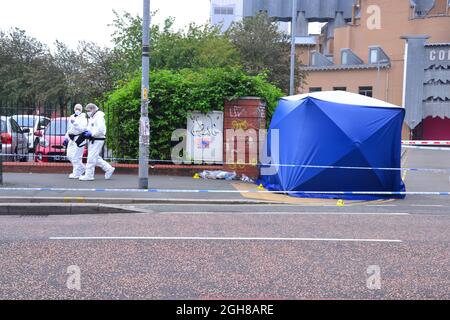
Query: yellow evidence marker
(340, 203)
(261, 187)
(196, 176)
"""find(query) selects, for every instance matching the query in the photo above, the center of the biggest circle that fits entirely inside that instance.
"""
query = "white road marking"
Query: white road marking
(274, 204)
(382, 205)
(294, 205)
(290, 213)
(427, 205)
(226, 239)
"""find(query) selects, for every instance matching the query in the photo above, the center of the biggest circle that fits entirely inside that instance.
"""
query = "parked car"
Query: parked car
(35, 124)
(14, 140)
(50, 147)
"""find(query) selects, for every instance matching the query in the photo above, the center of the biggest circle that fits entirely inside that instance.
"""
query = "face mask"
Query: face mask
(90, 113)
(78, 113)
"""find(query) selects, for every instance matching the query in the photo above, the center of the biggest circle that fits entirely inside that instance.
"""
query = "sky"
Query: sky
(72, 21)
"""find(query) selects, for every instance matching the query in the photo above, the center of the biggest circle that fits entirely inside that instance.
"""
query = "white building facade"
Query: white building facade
(225, 12)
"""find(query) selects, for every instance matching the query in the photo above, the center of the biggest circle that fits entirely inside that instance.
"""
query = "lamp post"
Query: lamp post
(144, 123)
(293, 36)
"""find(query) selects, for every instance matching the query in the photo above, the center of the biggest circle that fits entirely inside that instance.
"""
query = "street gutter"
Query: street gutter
(47, 209)
(29, 206)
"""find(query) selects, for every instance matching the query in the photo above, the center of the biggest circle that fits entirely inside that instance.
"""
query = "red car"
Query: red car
(50, 147)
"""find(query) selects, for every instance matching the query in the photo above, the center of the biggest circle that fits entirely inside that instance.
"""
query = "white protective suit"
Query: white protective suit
(76, 126)
(97, 127)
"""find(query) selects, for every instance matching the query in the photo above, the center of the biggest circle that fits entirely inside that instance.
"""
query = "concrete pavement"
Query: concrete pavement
(77, 192)
(415, 181)
(23, 180)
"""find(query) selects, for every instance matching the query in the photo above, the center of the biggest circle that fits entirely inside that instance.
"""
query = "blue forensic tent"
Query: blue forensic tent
(321, 132)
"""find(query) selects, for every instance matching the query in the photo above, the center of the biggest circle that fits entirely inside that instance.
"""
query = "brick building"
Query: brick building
(397, 51)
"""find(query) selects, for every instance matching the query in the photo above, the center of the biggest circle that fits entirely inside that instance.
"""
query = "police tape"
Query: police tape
(269, 165)
(141, 191)
(435, 170)
(426, 142)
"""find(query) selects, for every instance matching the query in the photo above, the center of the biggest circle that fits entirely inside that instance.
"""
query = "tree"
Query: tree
(127, 39)
(264, 48)
(27, 71)
(174, 94)
(196, 47)
(30, 74)
(88, 71)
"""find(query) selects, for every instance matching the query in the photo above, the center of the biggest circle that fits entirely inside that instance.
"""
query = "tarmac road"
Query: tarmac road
(257, 251)
(248, 255)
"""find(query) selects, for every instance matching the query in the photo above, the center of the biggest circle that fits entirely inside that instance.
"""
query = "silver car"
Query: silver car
(35, 124)
(14, 140)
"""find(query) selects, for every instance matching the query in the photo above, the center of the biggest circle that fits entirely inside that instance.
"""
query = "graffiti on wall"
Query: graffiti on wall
(205, 137)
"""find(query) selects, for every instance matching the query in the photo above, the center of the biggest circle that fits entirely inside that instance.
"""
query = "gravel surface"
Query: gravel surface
(34, 267)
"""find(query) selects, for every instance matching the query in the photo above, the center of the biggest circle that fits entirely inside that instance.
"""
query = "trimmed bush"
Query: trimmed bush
(173, 94)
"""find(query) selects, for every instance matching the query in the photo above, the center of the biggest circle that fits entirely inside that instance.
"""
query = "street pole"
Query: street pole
(293, 56)
(144, 123)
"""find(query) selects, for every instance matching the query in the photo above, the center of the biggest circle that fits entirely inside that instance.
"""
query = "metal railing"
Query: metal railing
(34, 132)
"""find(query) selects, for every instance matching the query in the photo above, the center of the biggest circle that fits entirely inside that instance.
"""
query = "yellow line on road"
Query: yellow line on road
(285, 199)
(74, 199)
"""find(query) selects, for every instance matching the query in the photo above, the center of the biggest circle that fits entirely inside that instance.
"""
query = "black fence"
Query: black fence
(34, 132)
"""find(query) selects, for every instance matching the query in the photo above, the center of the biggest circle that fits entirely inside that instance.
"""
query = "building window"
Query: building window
(224, 11)
(344, 57)
(340, 88)
(315, 89)
(313, 59)
(373, 56)
(366, 91)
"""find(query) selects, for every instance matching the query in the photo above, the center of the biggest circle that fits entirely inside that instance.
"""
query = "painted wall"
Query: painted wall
(396, 22)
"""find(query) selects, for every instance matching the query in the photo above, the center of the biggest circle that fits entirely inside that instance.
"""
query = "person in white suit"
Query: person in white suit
(96, 136)
(75, 142)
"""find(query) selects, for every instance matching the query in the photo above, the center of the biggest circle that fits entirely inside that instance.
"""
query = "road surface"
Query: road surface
(381, 250)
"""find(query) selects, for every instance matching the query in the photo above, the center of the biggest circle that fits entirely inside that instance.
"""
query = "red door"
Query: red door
(436, 129)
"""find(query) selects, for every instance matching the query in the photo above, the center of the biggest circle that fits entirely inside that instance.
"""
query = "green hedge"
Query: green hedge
(173, 94)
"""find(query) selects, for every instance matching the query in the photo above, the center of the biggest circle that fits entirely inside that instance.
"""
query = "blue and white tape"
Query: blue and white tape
(444, 170)
(435, 170)
(98, 190)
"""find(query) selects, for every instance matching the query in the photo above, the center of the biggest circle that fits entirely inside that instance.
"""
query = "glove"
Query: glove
(87, 134)
(72, 121)
(66, 142)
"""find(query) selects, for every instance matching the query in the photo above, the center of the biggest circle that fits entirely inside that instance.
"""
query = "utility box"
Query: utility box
(204, 141)
(243, 120)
